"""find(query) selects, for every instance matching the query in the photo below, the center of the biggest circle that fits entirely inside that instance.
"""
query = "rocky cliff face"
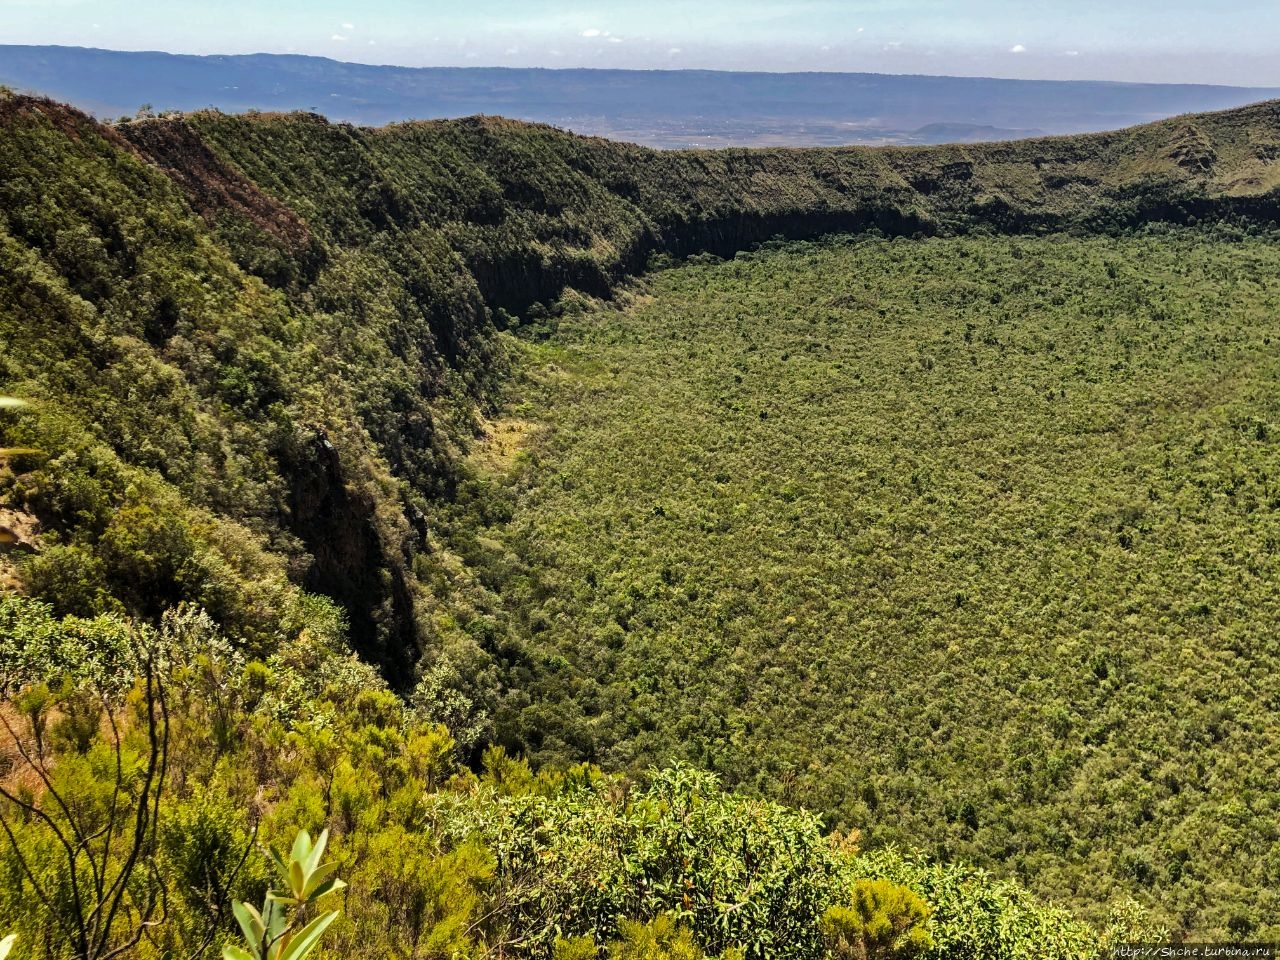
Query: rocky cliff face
(353, 560)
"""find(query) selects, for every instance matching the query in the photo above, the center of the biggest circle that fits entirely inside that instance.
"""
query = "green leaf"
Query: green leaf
(301, 847)
(232, 952)
(313, 859)
(11, 403)
(332, 885)
(277, 861)
(297, 879)
(317, 877)
(308, 937)
(7, 943)
(250, 922)
(274, 919)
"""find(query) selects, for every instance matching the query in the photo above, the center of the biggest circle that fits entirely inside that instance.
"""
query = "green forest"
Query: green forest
(969, 544)
(466, 539)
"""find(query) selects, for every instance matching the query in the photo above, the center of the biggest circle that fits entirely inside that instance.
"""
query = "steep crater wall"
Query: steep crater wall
(387, 252)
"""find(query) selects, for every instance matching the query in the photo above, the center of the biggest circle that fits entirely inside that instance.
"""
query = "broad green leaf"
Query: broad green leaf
(11, 403)
(301, 847)
(7, 944)
(250, 922)
(307, 938)
(313, 859)
(274, 919)
(333, 885)
(232, 952)
(276, 860)
(297, 880)
(316, 877)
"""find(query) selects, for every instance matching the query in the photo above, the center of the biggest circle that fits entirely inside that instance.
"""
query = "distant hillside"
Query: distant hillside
(669, 109)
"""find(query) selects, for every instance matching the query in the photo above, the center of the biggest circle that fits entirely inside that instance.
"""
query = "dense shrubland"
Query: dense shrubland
(437, 861)
(261, 483)
(966, 543)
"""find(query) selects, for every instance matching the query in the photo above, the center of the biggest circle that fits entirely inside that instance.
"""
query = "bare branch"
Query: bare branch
(147, 815)
(93, 922)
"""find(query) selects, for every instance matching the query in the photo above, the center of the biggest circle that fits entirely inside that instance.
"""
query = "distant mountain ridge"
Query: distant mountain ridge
(939, 133)
(666, 109)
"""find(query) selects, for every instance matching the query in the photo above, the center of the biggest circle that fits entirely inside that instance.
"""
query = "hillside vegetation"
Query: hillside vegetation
(438, 861)
(262, 356)
(304, 312)
(967, 543)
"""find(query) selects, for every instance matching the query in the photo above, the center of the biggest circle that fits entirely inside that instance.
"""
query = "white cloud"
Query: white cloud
(1018, 48)
(339, 38)
(512, 51)
(592, 33)
(673, 51)
(348, 26)
(1073, 53)
(373, 43)
(615, 39)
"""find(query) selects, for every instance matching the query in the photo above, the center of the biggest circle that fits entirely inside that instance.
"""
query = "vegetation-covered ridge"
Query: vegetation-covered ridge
(318, 379)
(256, 351)
(531, 209)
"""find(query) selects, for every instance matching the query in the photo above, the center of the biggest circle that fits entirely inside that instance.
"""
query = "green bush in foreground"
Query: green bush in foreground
(883, 921)
(441, 862)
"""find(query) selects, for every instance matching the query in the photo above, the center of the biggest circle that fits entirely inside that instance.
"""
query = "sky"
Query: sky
(1231, 41)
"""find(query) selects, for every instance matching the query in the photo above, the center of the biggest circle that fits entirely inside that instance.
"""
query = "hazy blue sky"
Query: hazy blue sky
(1231, 41)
